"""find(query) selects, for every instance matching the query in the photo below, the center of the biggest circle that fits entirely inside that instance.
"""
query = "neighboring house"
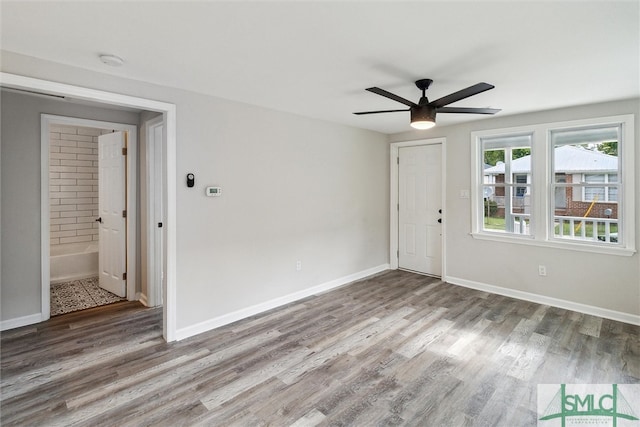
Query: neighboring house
(573, 164)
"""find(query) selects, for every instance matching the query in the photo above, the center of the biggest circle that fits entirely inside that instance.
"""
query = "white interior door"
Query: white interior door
(159, 217)
(111, 208)
(419, 209)
(156, 226)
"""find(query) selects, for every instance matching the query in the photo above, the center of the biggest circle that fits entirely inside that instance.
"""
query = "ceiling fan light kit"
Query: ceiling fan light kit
(423, 117)
(423, 114)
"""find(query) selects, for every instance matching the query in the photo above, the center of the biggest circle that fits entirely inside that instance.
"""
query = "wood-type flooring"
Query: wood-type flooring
(394, 349)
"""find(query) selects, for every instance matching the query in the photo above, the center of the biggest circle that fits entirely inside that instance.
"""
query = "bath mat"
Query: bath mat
(79, 295)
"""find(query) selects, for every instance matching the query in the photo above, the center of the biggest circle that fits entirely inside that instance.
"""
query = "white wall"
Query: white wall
(293, 189)
(604, 281)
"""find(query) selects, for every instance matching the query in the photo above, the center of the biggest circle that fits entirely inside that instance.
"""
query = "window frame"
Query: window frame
(542, 191)
(509, 185)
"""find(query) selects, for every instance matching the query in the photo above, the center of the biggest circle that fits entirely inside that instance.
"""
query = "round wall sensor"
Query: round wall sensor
(112, 60)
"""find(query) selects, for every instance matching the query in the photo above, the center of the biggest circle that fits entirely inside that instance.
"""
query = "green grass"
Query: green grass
(566, 229)
(494, 223)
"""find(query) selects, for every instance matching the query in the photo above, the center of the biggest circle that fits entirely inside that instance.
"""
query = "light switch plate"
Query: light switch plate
(464, 194)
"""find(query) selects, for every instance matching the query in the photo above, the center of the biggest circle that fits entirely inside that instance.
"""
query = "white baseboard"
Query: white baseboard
(234, 316)
(20, 321)
(541, 299)
(142, 297)
(72, 277)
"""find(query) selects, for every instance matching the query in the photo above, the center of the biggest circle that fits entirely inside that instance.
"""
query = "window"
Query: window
(565, 185)
(589, 156)
(506, 192)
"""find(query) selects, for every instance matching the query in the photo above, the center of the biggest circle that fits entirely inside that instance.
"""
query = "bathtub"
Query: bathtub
(73, 261)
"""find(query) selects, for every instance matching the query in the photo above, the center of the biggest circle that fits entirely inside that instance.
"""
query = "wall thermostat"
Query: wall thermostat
(214, 191)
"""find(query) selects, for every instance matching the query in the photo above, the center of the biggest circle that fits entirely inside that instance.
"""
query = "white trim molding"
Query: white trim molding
(243, 313)
(541, 211)
(46, 121)
(393, 197)
(168, 110)
(20, 321)
(142, 298)
(619, 316)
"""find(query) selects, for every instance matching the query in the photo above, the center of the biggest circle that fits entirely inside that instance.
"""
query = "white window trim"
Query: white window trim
(477, 184)
(542, 152)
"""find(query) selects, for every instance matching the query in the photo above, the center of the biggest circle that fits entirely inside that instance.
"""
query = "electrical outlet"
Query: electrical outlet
(298, 265)
(542, 270)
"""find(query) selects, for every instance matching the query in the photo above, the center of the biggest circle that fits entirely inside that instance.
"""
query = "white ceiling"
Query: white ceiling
(316, 58)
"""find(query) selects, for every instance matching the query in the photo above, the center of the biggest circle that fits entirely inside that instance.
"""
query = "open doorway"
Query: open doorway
(96, 97)
(91, 181)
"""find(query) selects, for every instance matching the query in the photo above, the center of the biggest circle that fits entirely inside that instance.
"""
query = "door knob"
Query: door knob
(99, 219)
(439, 211)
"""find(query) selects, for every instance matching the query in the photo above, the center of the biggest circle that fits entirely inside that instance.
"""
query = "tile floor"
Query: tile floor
(79, 295)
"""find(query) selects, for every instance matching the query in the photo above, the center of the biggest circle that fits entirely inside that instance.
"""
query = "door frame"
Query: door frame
(168, 111)
(394, 199)
(155, 273)
(131, 162)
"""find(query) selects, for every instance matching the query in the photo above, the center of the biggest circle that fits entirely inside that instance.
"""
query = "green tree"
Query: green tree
(492, 157)
(610, 148)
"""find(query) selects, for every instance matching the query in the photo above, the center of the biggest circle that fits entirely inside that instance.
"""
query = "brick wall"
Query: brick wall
(579, 208)
(73, 181)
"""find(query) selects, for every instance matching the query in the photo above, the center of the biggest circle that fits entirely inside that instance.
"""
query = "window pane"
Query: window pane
(588, 157)
(521, 191)
(493, 157)
(507, 178)
(589, 218)
(493, 213)
(593, 229)
(594, 194)
(591, 178)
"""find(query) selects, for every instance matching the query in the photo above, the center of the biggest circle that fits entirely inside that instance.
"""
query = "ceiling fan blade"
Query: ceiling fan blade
(381, 111)
(468, 110)
(461, 94)
(390, 95)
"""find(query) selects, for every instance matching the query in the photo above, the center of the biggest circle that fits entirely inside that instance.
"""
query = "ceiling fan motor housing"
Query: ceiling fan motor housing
(422, 113)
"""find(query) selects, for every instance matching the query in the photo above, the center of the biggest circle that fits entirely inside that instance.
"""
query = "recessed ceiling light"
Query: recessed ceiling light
(112, 60)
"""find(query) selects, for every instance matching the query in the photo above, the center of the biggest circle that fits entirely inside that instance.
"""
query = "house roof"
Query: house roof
(568, 158)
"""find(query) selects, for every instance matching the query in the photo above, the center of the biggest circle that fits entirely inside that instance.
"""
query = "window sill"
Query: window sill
(579, 247)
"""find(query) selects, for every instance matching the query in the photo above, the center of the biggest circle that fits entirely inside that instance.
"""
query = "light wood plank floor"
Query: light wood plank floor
(394, 349)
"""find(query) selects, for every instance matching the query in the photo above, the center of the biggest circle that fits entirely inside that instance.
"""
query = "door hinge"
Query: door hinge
(124, 214)
(124, 276)
(398, 206)
(398, 253)
(398, 160)
(124, 151)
